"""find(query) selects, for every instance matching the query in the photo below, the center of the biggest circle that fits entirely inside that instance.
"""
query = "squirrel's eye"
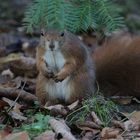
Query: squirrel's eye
(62, 34)
(42, 34)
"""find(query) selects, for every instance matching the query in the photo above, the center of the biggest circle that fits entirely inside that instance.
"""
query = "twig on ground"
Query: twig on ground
(13, 93)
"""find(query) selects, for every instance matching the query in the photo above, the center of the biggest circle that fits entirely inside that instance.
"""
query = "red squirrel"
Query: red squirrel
(66, 70)
(67, 73)
(117, 65)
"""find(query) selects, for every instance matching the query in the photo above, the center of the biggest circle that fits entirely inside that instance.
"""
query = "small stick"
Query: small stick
(14, 103)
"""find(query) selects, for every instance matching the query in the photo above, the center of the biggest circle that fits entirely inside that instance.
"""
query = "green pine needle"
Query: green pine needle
(73, 15)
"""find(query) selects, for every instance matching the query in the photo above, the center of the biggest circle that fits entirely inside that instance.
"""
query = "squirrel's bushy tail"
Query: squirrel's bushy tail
(118, 66)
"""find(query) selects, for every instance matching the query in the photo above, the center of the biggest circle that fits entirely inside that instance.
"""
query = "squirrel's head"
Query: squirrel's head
(52, 39)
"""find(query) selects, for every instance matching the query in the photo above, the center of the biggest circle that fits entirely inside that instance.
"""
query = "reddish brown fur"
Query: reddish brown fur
(40, 92)
(118, 66)
(78, 66)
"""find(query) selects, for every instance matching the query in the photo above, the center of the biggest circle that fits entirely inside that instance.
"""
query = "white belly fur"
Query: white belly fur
(60, 90)
(54, 60)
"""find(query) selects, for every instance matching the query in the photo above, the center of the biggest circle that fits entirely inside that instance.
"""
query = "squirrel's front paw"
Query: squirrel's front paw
(48, 73)
(58, 78)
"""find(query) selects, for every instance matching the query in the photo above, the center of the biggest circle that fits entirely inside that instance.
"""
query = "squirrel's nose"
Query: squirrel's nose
(51, 46)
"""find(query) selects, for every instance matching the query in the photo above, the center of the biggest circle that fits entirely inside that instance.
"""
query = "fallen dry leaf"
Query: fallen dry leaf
(58, 110)
(87, 125)
(3, 104)
(15, 106)
(122, 100)
(5, 132)
(15, 110)
(95, 118)
(47, 135)
(129, 125)
(137, 127)
(119, 137)
(118, 124)
(61, 129)
(135, 117)
(12, 93)
(88, 136)
(25, 66)
(17, 116)
(108, 133)
(17, 136)
(73, 105)
(10, 102)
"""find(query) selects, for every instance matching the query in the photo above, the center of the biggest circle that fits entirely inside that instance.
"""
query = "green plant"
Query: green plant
(73, 15)
(102, 107)
(39, 124)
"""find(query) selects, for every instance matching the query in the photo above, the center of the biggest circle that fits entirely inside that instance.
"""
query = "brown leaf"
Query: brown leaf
(119, 137)
(87, 125)
(61, 129)
(122, 100)
(17, 116)
(88, 136)
(3, 104)
(135, 117)
(73, 105)
(18, 136)
(15, 110)
(47, 135)
(16, 106)
(10, 102)
(58, 110)
(129, 125)
(118, 124)
(95, 118)
(12, 93)
(108, 133)
(25, 66)
(137, 127)
(6, 131)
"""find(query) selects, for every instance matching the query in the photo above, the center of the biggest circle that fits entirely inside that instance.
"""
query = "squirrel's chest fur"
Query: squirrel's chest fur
(55, 60)
(60, 90)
